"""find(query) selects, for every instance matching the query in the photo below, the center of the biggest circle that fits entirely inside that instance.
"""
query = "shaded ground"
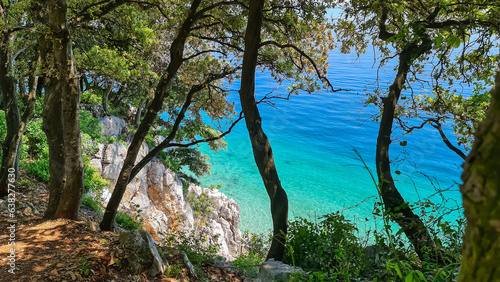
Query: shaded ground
(66, 250)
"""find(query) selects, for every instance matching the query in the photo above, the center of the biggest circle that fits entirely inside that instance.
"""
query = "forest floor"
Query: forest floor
(67, 250)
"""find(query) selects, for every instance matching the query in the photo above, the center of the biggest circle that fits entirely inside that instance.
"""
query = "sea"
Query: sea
(316, 139)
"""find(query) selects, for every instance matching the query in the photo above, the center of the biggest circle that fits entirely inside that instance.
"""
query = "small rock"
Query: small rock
(59, 265)
(92, 226)
(54, 273)
(72, 275)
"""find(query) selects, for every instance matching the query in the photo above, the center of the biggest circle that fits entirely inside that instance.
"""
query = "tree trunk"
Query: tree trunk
(481, 196)
(161, 92)
(261, 146)
(105, 96)
(12, 114)
(398, 208)
(61, 121)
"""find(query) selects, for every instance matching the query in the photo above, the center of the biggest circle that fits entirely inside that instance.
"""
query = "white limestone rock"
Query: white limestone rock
(112, 126)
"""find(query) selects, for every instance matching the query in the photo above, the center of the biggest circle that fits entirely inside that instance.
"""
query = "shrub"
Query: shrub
(38, 168)
(197, 247)
(91, 97)
(93, 180)
(91, 203)
(36, 140)
(256, 247)
(127, 222)
(329, 245)
(91, 126)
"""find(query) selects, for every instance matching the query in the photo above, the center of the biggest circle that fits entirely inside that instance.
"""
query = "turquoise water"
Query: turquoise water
(313, 138)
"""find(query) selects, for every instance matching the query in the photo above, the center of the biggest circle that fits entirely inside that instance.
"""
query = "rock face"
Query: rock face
(112, 126)
(157, 196)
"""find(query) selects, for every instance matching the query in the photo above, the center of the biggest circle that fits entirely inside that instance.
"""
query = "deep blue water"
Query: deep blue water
(313, 139)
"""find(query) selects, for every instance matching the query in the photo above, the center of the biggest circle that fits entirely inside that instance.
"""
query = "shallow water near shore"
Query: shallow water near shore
(313, 139)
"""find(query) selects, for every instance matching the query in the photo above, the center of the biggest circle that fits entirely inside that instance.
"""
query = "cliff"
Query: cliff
(157, 196)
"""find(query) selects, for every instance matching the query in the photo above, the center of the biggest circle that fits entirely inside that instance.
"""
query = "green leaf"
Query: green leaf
(403, 143)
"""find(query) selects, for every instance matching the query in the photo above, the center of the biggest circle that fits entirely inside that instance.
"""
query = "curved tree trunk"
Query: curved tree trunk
(61, 121)
(481, 198)
(400, 211)
(261, 146)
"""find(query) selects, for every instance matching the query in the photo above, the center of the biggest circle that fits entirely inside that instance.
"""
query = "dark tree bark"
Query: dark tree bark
(161, 92)
(105, 96)
(481, 198)
(12, 114)
(398, 208)
(261, 146)
(61, 121)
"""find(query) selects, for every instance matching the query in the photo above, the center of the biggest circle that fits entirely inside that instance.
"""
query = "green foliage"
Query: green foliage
(84, 266)
(127, 222)
(38, 168)
(92, 179)
(191, 158)
(329, 245)
(196, 246)
(26, 183)
(91, 203)
(91, 97)
(36, 140)
(255, 248)
(91, 126)
(173, 270)
(201, 205)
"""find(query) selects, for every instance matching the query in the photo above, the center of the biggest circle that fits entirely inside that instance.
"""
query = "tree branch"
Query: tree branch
(302, 53)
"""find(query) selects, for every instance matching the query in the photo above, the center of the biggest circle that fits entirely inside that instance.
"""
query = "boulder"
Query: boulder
(112, 126)
(95, 110)
(272, 270)
(141, 251)
(113, 160)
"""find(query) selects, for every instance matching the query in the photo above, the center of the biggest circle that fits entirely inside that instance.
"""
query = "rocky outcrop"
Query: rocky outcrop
(157, 196)
(112, 126)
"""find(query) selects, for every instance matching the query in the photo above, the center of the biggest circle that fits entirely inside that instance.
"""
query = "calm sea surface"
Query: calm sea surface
(313, 139)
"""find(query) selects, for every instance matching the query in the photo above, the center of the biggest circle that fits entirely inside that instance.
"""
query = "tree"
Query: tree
(416, 32)
(61, 109)
(261, 146)
(481, 195)
(11, 18)
(209, 29)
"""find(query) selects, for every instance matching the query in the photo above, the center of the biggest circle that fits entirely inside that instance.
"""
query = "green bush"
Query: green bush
(38, 168)
(36, 140)
(91, 203)
(256, 247)
(91, 126)
(196, 247)
(127, 222)
(93, 180)
(329, 246)
(91, 97)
